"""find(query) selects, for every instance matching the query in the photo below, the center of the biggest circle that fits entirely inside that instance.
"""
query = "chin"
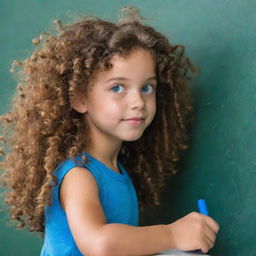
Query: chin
(132, 138)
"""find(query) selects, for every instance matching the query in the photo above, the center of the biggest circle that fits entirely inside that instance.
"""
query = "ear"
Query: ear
(79, 104)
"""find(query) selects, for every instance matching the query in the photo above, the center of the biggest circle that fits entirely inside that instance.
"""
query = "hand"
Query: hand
(194, 231)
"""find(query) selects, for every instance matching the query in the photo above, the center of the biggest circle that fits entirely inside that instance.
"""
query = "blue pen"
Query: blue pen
(202, 207)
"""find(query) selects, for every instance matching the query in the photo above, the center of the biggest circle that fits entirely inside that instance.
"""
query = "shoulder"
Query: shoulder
(77, 183)
(64, 167)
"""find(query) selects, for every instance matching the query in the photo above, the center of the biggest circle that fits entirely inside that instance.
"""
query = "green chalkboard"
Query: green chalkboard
(220, 165)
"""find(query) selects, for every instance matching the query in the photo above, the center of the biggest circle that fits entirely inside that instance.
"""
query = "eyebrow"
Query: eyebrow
(127, 79)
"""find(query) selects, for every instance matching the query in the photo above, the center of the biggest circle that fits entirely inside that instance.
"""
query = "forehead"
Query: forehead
(138, 64)
(135, 56)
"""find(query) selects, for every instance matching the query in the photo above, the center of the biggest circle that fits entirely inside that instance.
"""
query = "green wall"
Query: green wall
(220, 166)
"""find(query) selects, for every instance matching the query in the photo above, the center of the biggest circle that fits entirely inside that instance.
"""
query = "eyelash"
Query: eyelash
(153, 87)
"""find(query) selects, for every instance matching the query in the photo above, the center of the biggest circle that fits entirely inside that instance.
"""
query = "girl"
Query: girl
(100, 104)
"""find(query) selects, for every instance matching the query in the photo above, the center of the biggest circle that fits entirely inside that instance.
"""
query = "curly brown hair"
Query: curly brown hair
(43, 129)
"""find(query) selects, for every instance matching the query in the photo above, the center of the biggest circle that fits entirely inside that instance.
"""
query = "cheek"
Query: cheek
(152, 107)
(110, 109)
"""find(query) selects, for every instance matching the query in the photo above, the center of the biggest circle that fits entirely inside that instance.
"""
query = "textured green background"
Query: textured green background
(219, 36)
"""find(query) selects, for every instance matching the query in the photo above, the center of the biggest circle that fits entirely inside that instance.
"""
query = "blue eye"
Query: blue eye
(148, 88)
(117, 88)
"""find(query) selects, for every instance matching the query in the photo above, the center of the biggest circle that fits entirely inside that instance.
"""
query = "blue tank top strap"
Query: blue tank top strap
(100, 168)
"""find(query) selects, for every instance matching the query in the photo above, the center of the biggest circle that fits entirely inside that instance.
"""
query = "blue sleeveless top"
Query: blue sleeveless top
(117, 196)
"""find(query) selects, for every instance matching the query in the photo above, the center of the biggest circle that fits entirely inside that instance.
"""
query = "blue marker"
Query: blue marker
(202, 207)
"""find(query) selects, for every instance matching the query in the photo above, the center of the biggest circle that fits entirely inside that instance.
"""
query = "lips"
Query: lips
(134, 120)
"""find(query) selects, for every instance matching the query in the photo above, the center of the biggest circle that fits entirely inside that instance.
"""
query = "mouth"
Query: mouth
(134, 120)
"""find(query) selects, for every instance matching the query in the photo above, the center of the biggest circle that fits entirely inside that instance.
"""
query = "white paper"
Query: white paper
(181, 253)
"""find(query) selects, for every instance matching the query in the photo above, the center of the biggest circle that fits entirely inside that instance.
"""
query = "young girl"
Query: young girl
(100, 104)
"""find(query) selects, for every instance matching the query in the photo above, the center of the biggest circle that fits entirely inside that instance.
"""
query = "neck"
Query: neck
(105, 155)
(105, 150)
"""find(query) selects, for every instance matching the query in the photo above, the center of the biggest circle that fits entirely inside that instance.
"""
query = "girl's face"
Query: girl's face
(122, 101)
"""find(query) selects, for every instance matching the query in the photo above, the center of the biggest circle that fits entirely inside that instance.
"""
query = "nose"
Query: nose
(137, 101)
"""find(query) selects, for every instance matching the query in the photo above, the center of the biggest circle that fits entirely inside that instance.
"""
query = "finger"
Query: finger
(207, 245)
(210, 234)
(212, 224)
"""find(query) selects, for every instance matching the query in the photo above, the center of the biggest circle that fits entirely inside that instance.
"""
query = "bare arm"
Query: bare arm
(93, 236)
